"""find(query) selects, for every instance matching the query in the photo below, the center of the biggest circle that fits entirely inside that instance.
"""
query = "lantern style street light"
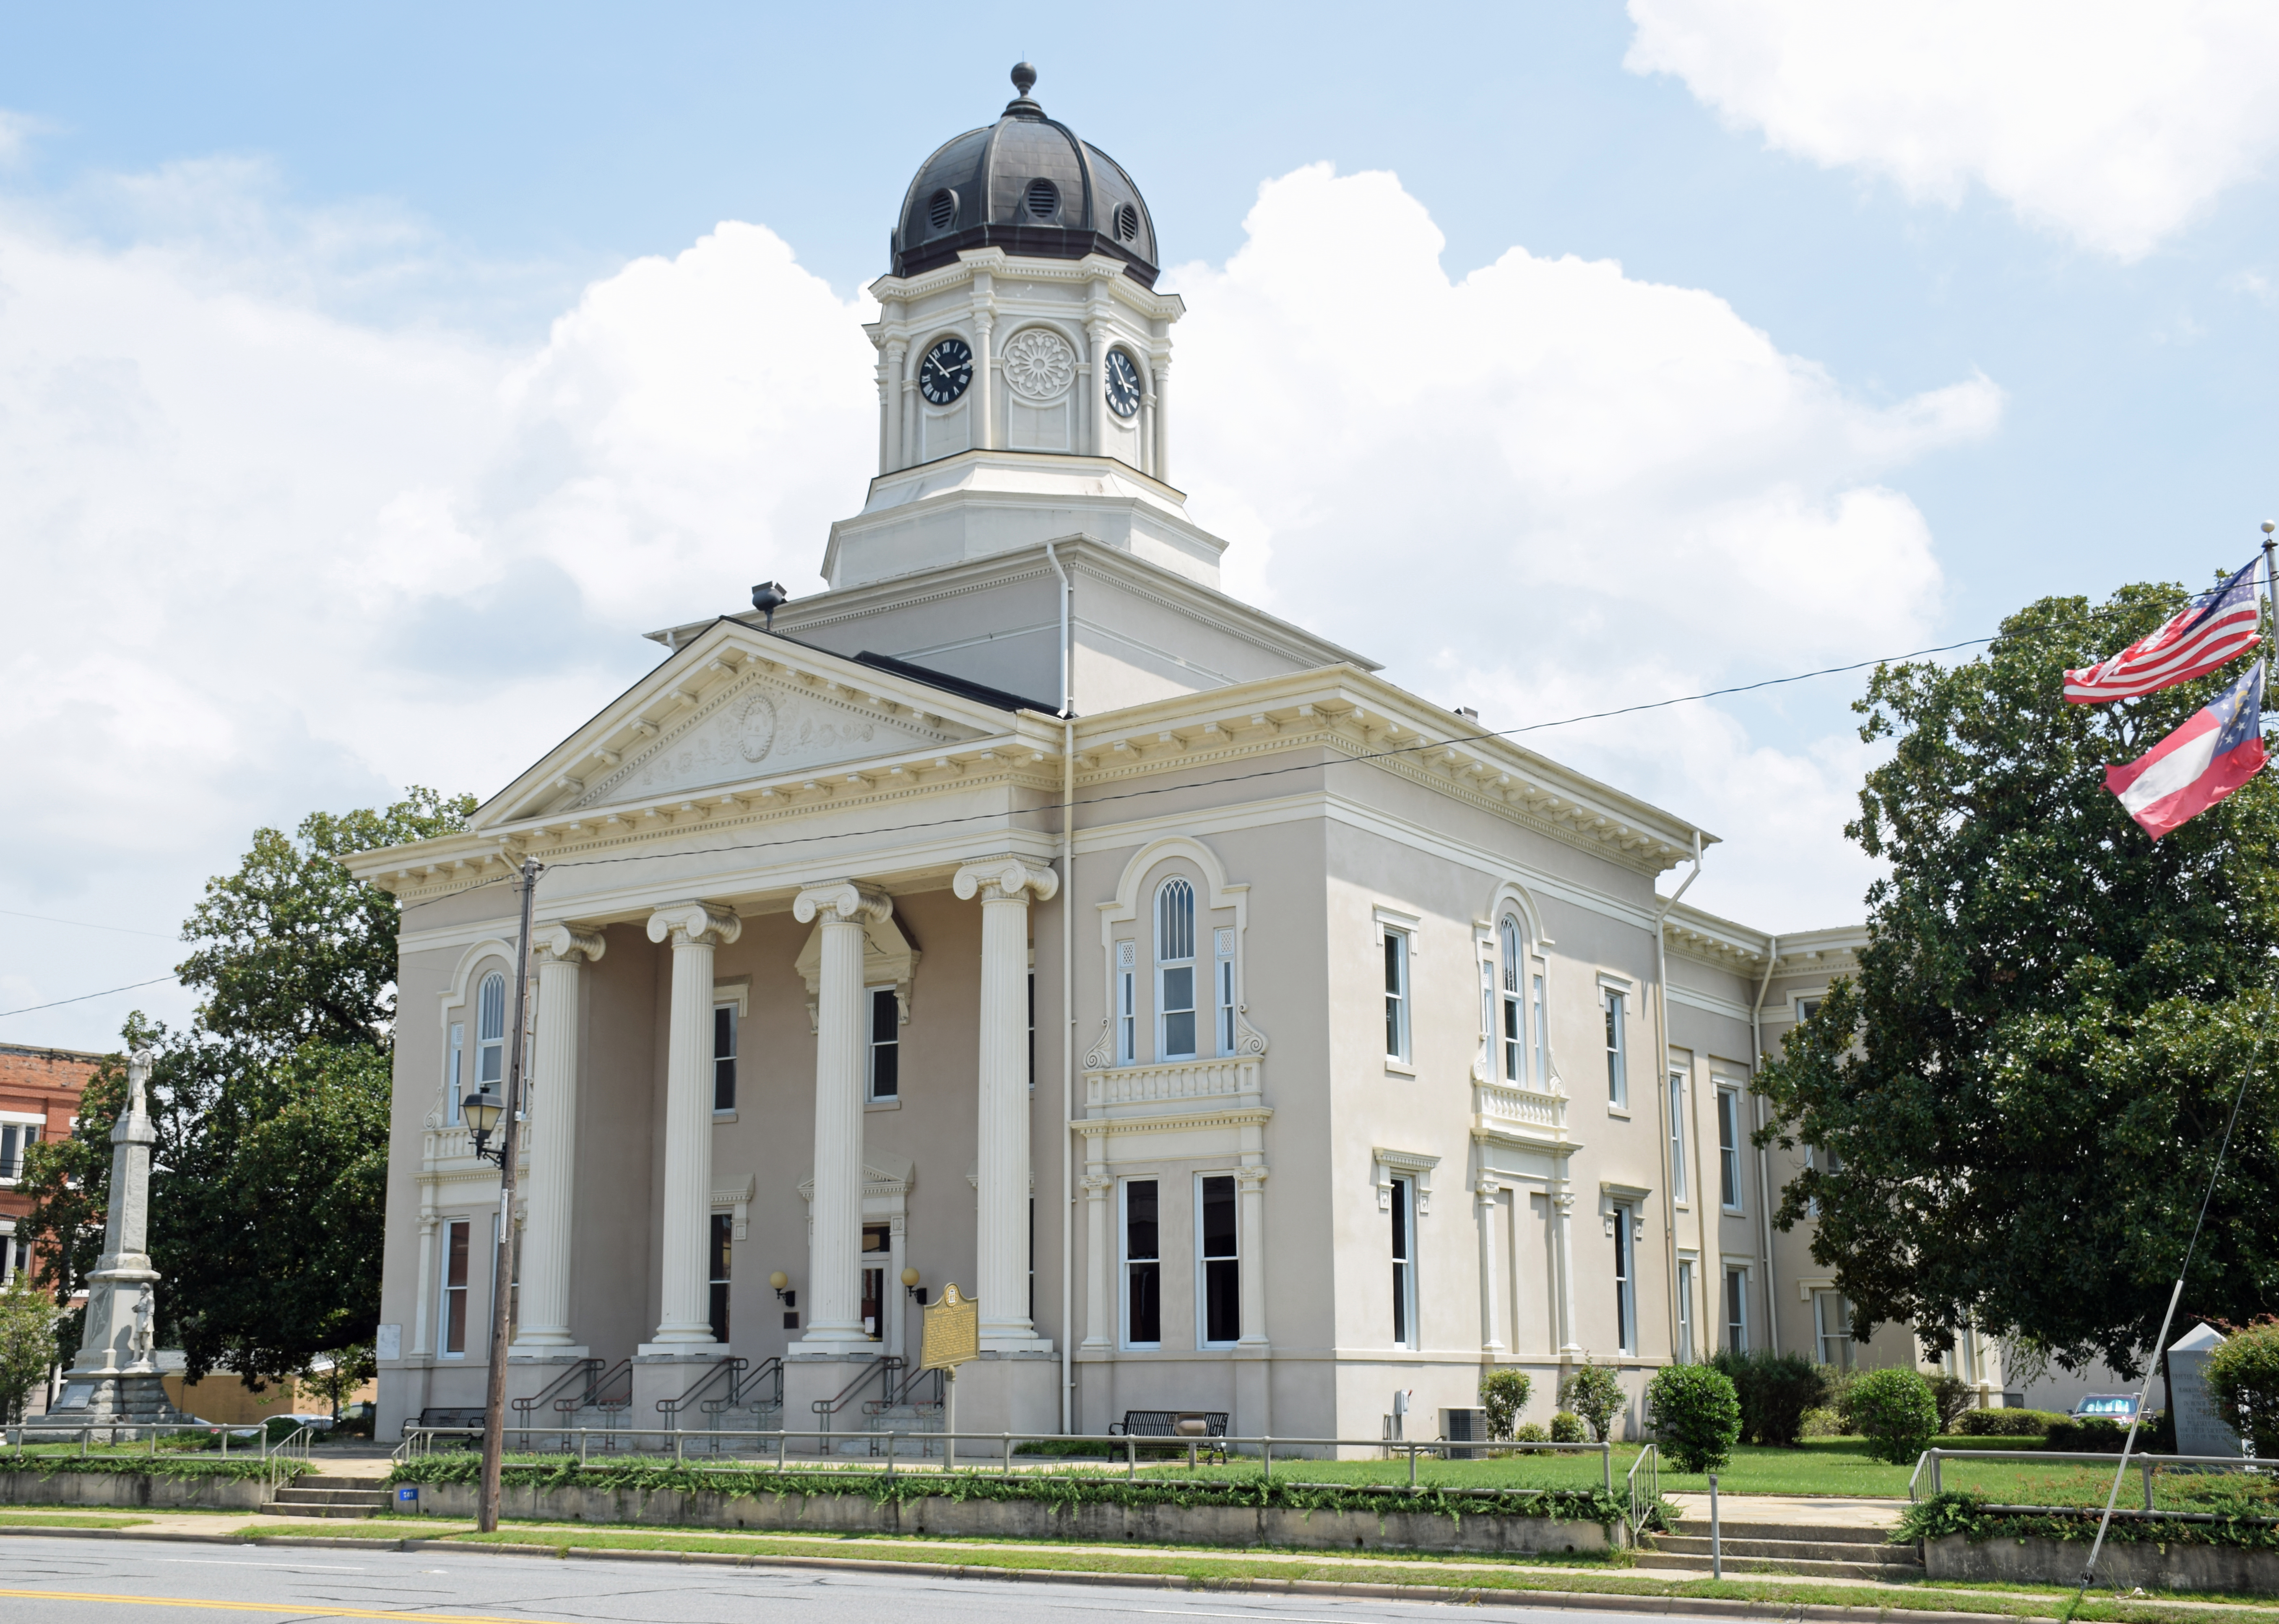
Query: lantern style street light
(482, 1110)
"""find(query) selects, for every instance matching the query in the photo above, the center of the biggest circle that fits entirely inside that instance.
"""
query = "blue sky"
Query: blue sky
(2014, 277)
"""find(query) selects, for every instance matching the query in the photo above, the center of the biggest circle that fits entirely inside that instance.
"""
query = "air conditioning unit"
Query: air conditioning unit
(1463, 1426)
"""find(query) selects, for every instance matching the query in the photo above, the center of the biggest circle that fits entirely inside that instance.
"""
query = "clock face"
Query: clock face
(1123, 384)
(946, 370)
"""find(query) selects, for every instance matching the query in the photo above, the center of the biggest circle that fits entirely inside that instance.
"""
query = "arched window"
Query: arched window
(1511, 1031)
(490, 1034)
(1175, 970)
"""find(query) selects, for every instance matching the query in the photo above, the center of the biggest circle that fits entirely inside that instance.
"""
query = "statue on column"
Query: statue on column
(115, 1375)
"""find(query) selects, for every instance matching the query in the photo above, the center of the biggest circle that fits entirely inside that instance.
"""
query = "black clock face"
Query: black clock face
(946, 369)
(1123, 384)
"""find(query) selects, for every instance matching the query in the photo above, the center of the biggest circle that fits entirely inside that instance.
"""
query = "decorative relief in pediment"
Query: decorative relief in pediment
(754, 728)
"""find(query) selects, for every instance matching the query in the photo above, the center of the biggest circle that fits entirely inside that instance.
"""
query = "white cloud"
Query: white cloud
(2115, 123)
(267, 557)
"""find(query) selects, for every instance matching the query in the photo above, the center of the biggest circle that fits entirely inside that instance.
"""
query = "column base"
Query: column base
(550, 1352)
(1009, 1392)
(1017, 1342)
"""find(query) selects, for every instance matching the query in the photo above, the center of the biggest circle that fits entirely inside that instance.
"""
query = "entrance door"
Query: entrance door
(877, 1245)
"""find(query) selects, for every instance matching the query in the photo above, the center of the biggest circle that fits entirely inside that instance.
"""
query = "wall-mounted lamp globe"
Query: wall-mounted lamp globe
(911, 1284)
(778, 1281)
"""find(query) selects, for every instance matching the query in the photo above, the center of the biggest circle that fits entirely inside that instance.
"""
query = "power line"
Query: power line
(83, 996)
(87, 925)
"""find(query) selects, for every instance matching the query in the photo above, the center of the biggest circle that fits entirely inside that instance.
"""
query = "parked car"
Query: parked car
(2121, 1408)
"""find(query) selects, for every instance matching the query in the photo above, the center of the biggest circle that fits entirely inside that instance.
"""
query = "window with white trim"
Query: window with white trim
(1618, 1083)
(1396, 994)
(1684, 1311)
(1404, 1263)
(1625, 1282)
(724, 1056)
(451, 1316)
(1175, 970)
(455, 1084)
(1223, 980)
(1542, 1039)
(1736, 1310)
(718, 1256)
(1127, 1015)
(884, 1065)
(490, 1035)
(1143, 1265)
(1728, 1148)
(1512, 1023)
(1677, 1135)
(1218, 1264)
(16, 1252)
(15, 1139)
(1832, 1321)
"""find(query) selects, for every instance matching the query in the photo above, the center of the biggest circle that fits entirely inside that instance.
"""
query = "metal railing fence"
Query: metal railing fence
(1648, 1467)
(22, 1436)
(2148, 1464)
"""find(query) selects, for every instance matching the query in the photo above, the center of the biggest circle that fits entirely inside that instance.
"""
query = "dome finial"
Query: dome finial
(1025, 78)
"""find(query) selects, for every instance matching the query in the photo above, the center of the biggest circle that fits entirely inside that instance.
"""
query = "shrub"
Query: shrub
(1569, 1428)
(1822, 1422)
(1695, 1415)
(1503, 1395)
(2243, 1381)
(1775, 1390)
(1593, 1394)
(1530, 1432)
(2086, 1435)
(1894, 1410)
(1951, 1394)
(1840, 1383)
(2005, 1423)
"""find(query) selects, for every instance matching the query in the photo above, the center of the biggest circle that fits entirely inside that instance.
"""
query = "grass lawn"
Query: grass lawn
(10, 1517)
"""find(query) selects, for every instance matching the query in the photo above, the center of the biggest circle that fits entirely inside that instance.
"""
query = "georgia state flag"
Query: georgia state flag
(2198, 765)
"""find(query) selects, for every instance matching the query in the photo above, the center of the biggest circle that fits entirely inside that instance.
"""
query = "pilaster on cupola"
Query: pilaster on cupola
(844, 909)
(685, 1323)
(560, 952)
(1004, 884)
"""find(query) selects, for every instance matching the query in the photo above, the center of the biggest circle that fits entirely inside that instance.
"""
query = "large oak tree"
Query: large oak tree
(2018, 1102)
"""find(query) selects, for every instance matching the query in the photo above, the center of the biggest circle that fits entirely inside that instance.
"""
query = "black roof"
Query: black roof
(979, 691)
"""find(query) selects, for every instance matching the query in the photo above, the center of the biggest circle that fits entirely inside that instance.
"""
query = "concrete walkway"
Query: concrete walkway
(1797, 1510)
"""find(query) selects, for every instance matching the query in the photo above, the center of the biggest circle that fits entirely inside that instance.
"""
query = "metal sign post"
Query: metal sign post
(952, 1336)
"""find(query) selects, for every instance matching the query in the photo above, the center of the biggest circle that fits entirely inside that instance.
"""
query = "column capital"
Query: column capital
(567, 943)
(694, 922)
(847, 903)
(1004, 880)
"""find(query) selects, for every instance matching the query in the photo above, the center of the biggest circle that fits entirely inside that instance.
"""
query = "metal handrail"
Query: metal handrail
(2150, 1464)
(1650, 1457)
(289, 1455)
(912, 1381)
(731, 1367)
(584, 1370)
(884, 1366)
(18, 1435)
(769, 1369)
(592, 1399)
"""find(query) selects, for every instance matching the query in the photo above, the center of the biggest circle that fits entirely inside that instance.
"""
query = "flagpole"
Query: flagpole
(2160, 1343)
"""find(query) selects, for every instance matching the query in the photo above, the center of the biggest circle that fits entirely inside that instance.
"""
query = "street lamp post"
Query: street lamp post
(486, 1112)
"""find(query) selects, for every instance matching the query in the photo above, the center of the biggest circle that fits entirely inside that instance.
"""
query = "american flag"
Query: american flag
(2215, 627)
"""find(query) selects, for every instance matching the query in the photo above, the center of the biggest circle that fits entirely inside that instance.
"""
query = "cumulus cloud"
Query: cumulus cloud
(2115, 124)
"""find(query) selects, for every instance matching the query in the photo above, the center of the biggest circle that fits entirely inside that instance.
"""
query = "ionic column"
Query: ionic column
(985, 382)
(1164, 418)
(1485, 1204)
(561, 951)
(1250, 1243)
(1099, 1310)
(685, 1320)
(1001, 1237)
(892, 388)
(421, 1311)
(834, 1247)
(1093, 377)
(1562, 1206)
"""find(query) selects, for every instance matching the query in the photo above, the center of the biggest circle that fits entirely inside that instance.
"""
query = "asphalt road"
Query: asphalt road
(121, 1581)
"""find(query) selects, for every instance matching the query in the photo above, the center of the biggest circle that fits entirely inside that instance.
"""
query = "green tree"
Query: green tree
(2243, 1383)
(2019, 1099)
(27, 1343)
(1696, 1416)
(1503, 1395)
(1896, 1411)
(271, 1113)
(345, 1369)
(1592, 1393)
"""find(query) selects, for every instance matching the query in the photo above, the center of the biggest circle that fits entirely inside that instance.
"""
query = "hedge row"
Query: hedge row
(164, 1464)
(901, 1488)
(2245, 1523)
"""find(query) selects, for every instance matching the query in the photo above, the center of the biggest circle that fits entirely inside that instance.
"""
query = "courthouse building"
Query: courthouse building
(1245, 1032)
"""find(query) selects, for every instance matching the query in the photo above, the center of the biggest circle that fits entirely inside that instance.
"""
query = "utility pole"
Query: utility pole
(486, 1515)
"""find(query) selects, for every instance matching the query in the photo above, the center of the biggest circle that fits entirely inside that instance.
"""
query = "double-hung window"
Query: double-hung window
(1218, 1265)
(490, 1035)
(1728, 1148)
(1404, 1263)
(1677, 1135)
(1127, 993)
(451, 1321)
(723, 1057)
(1618, 1081)
(1175, 971)
(1511, 1029)
(1542, 1040)
(1625, 1282)
(455, 1076)
(717, 1257)
(1223, 980)
(1736, 1310)
(15, 1139)
(1143, 1265)
(885, 1034)
(1396, 994)
(1832, 1317)
(1685, 1311)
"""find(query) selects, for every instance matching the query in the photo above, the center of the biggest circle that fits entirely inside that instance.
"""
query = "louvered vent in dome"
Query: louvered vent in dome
(1044, 199)
(941, 208)
(1127, 223)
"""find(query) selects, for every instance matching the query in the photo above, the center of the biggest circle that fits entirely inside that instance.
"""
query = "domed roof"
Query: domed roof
(1025, 184)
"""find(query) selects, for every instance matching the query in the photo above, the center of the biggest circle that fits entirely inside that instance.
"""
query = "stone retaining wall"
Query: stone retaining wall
(2125, 1564)
(133, 1489)
(1391, 1529)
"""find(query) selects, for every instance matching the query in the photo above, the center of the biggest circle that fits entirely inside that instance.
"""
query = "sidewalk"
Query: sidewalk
(1795, 1511)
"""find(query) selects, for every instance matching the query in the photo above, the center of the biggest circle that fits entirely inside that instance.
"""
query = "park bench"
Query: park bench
(446, 1417)
(1175, 1426)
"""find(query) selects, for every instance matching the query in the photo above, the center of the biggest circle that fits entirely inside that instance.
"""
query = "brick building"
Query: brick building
(39, 1094)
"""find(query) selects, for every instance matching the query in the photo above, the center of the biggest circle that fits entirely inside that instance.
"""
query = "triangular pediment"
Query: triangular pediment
(734, 706)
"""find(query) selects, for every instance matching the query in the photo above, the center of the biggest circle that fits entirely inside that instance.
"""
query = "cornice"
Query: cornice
(1111, 1127)
(995, 262)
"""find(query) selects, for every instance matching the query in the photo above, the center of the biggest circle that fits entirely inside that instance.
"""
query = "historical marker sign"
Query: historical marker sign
(953, 1331)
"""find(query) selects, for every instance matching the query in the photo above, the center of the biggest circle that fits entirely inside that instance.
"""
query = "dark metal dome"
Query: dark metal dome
(1028, 185)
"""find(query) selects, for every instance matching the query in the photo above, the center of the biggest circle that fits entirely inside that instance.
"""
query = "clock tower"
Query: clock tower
(1025, 358)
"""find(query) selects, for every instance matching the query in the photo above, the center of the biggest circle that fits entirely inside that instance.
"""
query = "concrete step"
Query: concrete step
(295, 1508)
(334, 1480)
(1788, 1550)
(1819, 1533)
(341, 1499)
(1796, 1567)
(1812, 1550)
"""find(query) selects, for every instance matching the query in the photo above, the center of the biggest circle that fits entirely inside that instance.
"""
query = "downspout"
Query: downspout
(1764, 1157)
(1068, 1007)
(1661, 1083)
